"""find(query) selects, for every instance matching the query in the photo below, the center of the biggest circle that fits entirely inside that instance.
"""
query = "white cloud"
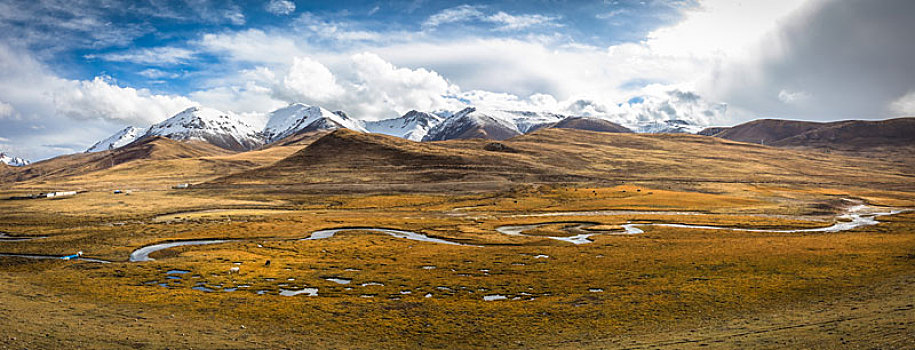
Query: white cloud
(719, 28)
(7, 111)
(905, 105)
(165, 55)
(313, 25)
(515, 22)
(248, 98)
(757, 56)
(100, 99)
(383, 89)
(234, 16)
(310, 80)
(252, 45)
(455, 14)
(57, 115)
(505, 21)
(790, 96)
(153, 73)
(280, 7)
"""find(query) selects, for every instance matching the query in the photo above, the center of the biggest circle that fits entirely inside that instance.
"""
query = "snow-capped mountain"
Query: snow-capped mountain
(225, 130)
(494, 125)
(120, 138)
(13, 161)
(413, 125)
(299, 117)
(674, 126)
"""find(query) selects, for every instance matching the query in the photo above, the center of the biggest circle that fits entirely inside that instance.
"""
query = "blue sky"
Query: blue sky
(122, 33)
(72, 72)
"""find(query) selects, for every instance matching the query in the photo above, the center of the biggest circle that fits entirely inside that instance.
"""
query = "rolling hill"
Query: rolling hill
(347, 160)
(851, 135)
(154, 148)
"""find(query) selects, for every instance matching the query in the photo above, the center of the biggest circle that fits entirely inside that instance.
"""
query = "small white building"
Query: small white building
(61, 194)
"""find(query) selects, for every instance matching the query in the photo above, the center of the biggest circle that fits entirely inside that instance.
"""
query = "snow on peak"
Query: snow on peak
(297, 117)
(413, 125)
(674, 126)
(499, 123)
(119, 139)
(13, 161)
(222, 129)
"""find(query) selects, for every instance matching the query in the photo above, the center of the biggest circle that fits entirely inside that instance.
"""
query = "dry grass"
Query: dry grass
(667, 280)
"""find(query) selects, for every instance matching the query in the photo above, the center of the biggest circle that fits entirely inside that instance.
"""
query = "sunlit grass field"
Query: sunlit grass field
(403, 293)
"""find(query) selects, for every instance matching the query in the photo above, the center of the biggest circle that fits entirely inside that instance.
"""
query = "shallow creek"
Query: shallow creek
(856, 216)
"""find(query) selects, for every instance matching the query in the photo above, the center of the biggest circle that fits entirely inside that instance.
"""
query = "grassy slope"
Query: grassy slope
(656, 286)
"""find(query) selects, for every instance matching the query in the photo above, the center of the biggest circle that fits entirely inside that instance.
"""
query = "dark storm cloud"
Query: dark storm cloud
(837, 59)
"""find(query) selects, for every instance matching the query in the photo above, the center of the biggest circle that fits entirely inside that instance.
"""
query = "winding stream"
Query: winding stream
(52, 257)
(5, 237)
(323, 234)
(142, 254)
(856, 216)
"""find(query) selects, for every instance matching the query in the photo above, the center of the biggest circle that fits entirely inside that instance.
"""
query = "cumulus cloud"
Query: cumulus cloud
(653, 110)
(280, 7)
(387, 89)
(310, 80)
(55, 115)
(101, 99)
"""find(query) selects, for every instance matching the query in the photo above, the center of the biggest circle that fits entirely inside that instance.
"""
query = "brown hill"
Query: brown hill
(152, 148)
(347, 160)
(843, 135)
(302, 138)
(855, 135)
(767, 131)
(346, 156)
(590, 124)
(712, 131)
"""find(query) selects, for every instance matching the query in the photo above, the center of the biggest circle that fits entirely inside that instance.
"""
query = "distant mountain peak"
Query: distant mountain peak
(472, 122)
(222, 129)
(119, 139)
(414, 125)
(13, 161)
(299, 117)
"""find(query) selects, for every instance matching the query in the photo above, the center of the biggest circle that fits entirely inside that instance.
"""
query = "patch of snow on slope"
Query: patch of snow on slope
(13, 161)
(413, 125)
(291, 119)
(226, 130)
(119, 139)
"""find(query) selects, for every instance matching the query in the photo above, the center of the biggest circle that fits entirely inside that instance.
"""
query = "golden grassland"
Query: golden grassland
(619, 286)
(648, 290)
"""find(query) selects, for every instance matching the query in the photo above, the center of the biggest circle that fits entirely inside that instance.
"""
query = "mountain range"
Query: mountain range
(229, 131)
(12, 161)
(565, 151)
